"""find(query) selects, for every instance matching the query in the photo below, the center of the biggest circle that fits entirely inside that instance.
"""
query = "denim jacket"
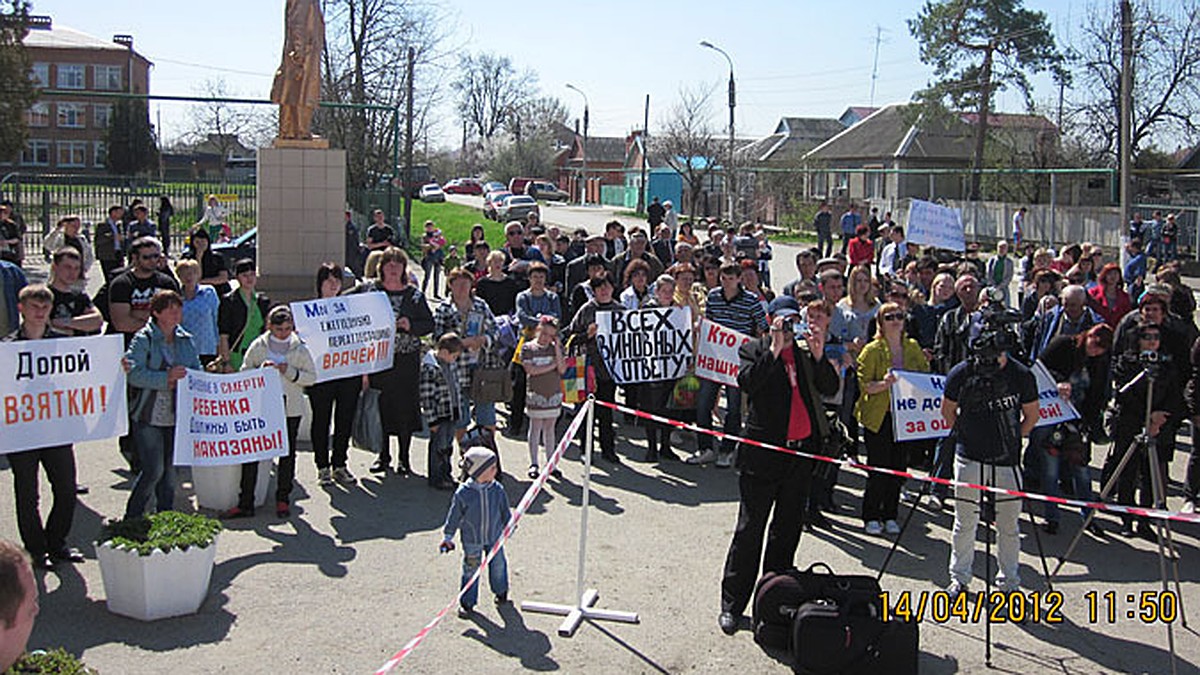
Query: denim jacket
(147, 371)
(480, 511)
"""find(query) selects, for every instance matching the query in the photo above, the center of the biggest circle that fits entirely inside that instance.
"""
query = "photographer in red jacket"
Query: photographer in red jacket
(783, 375)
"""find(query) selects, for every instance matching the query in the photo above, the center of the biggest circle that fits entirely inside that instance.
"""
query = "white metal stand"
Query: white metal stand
(584, 608)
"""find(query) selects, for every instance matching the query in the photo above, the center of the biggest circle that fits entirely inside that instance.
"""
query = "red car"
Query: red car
(492, 203)
(463, 186)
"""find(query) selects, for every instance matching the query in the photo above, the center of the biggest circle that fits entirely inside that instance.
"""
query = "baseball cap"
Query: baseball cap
(784, 305)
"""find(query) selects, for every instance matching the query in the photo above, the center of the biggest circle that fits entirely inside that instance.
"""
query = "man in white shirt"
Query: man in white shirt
(891, 260)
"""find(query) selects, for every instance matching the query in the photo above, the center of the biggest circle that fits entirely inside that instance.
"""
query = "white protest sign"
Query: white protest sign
(917, 404)
(62, 390)
(645, 345)
(233, 418)
(347, 335)
(717, 352)
(932, 225)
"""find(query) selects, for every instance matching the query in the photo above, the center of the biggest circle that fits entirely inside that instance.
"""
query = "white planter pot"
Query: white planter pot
(155, 586)
(217, 487)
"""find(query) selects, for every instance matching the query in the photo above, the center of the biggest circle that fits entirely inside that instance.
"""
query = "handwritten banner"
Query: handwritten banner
(60, 391)
(347, 335)
(717, 352)
(645, 345)
(233, 418)
(930, 224)
(917, 404)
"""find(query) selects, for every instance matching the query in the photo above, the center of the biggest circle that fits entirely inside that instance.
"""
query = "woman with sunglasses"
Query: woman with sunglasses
(891, 350)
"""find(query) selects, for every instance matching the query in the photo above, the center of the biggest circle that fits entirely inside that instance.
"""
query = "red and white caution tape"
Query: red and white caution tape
(518, 512)
(1101, 506)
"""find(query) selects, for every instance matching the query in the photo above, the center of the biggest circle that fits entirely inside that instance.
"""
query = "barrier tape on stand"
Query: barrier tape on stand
(522, 506)
(1062, 501)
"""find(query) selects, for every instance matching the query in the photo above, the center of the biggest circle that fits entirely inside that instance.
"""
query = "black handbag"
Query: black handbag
(491, 385)
(779, 595)
(831, 638)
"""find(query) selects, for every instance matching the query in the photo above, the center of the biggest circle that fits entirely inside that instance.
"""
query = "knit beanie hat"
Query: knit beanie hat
(476, 460)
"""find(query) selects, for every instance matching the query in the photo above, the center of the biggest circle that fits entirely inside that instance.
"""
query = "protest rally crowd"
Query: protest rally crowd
(521, 327)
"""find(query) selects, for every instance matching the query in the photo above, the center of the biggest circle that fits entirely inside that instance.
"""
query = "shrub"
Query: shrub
(165, 531)
(55, 662)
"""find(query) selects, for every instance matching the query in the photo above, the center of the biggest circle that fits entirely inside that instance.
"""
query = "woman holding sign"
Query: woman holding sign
(890, 350)
(341, 393)
(399, 404)
(159, 356)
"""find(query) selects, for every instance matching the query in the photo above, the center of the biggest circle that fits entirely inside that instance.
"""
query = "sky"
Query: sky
(790, 57)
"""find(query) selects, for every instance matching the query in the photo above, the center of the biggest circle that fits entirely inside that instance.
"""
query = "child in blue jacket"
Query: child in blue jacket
(480, 510)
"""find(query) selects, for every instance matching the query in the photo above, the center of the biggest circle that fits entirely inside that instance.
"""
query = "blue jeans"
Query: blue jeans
(1051, 465)
(497, 573)
(824, 241)
(706, 400)
(156, 449)
(441, 446)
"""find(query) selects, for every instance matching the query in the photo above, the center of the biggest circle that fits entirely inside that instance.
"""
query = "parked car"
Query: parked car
(244, 245)
(516, 207)
(494, 186)
(492, 202)
(517, 185)
(432, 193)
(463, 186)
(545, 190)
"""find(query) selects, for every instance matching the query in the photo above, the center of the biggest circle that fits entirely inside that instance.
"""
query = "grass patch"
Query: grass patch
(455, 221)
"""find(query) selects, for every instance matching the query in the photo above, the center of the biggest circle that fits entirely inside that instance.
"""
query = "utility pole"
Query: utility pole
(583, 192)
(875, 63)
(985, 104)
(641, 204)
(408, 146)
(1126, 139)
(730, 176)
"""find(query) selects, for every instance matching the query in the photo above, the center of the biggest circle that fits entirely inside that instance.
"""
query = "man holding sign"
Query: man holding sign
(47, 544)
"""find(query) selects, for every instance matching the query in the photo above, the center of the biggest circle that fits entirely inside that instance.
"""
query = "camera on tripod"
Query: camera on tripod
(997, 333)
(1152, 362)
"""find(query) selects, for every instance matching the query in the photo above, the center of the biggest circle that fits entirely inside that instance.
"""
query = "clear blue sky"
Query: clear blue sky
(790, 58)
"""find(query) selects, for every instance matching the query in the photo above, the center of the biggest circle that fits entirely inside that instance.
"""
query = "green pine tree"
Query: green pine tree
(19, 90)
(130, 139)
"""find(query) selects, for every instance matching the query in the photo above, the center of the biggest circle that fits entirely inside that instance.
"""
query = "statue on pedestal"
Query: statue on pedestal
(297, 86)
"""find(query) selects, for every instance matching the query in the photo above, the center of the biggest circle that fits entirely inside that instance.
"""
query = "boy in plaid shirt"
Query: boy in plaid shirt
(441, 404)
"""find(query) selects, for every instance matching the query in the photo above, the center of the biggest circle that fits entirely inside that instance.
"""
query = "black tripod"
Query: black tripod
(1144, 442)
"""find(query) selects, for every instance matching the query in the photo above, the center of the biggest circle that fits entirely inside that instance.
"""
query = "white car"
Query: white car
(432, 193)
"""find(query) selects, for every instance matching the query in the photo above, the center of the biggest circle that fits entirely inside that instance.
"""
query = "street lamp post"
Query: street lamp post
(583, 190)
(729, 171)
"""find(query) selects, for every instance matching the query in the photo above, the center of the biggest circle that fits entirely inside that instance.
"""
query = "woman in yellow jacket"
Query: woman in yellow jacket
(890, 350)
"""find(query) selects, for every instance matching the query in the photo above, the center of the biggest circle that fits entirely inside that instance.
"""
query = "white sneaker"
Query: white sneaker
(955, 589)
(1188, 507)
(343, 476)
(324, 476)
(936, 503)
(891, 527)
(724, 460)
(874, 528)
(702, 457)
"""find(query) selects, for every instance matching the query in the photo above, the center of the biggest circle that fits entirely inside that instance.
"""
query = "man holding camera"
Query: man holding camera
(783, 380)
(990, 402)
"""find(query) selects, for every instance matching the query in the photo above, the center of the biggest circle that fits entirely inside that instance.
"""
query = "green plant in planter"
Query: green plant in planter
(55, 662)
(165, 531)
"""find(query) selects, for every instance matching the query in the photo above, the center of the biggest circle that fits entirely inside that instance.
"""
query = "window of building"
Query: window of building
(38, 115)
(73, 153)
(99, 154)
(71, 115)
(101, 115)
(70, 76)
(41, 74)
(107, 77)
(36, 153)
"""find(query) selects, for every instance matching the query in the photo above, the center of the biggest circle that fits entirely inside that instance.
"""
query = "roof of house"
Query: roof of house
(602, 149)
(793, 137)
(64, 37)
(890, 133)
(1012, 121)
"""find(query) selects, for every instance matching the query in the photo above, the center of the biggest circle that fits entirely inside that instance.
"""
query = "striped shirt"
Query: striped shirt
(744, 313)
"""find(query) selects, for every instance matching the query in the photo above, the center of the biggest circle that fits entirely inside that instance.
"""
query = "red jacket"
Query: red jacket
(860, 252)
(1110, 312)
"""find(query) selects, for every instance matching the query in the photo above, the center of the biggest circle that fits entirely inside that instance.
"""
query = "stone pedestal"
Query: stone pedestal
(301, 211)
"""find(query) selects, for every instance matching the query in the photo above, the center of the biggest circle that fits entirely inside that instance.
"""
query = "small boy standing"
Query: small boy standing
(452, 262)
(441, 404)
(480, 510)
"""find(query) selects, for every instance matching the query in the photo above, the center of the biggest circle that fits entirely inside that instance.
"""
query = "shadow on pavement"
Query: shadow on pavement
(513, 639)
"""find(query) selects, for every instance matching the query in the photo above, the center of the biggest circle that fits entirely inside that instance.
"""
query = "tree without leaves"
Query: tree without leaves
(366, 49)
(489, 90)
(687, 144)
(226, 126)
(1166, 76)
(129, 141)
(19, 90)
(532, 151)
(976, 47)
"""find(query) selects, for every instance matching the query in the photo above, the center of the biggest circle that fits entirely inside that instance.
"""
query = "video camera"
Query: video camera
(997, 333)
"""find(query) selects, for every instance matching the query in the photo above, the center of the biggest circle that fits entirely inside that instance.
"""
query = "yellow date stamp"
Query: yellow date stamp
(997, 607)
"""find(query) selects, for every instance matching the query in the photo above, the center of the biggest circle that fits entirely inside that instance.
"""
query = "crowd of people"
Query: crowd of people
(833, 336)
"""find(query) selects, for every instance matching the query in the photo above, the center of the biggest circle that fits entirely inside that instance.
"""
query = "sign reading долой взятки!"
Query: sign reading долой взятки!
(60, 391)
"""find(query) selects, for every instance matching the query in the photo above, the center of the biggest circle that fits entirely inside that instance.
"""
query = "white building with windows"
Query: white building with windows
(67, 129)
